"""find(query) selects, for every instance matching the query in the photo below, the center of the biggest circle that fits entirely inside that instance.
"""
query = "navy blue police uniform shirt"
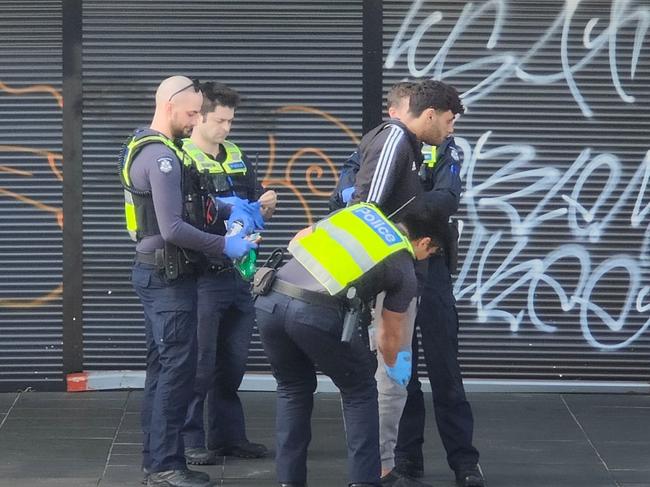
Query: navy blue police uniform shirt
(157, 169)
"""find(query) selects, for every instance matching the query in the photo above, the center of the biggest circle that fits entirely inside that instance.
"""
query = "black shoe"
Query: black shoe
(200, 456)
(409, 468)
(195, 473)
(291, 484)
(389, 479)
(177, 478)
(244, 449)
(469, 476)
(395, 479)
(362, 485)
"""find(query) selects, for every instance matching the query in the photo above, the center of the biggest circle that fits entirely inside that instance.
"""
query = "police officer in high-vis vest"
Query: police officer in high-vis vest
(163, 218)
(341, 262)
(226, 315)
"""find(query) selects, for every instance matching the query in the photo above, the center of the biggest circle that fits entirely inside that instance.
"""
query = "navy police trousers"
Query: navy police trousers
(170, 332)
(438, 323)
(299, 338)
(226, 317)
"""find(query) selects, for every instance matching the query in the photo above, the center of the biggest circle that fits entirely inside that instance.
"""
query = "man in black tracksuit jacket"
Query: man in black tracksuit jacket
(390, 160)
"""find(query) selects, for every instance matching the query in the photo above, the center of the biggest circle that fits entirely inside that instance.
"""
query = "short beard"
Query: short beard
(180, 132)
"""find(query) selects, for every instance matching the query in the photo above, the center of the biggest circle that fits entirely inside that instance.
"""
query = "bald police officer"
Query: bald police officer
(162, 217)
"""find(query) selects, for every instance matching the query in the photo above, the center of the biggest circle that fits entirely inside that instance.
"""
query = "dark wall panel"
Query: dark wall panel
(30, 195)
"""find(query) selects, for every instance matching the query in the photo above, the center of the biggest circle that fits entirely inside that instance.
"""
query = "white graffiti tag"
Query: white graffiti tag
(488, 289)
(508, 64)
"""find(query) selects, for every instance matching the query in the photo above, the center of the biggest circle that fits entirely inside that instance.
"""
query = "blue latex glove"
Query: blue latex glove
(233, 200)
(346, 194)
(237, 246)
(256, 215)
(243, 215)
(249, 213)
(401, 371)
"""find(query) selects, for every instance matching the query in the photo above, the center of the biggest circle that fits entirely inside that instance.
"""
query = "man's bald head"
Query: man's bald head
(178, 105)
(170, 86)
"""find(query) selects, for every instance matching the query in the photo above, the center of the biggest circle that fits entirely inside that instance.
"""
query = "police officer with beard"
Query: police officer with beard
(163, 219)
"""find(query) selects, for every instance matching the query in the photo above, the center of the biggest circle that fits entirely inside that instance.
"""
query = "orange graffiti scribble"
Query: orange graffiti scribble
(50, 156)
(41, 206)
(325, 115)
(286, 182)
(30, 303)
(18, 172)
(35, 89)
(313, 169)
(52, 159)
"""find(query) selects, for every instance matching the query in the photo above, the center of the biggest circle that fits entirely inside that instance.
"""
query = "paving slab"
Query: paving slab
(532, 440)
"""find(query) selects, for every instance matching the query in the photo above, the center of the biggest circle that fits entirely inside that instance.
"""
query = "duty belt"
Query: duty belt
(146, 258)
(310, 297)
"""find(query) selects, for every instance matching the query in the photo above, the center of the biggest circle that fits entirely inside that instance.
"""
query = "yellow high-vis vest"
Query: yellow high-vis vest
(345, 246)
(202, 162)
(134, 145)
(234, 163)
(217, 172)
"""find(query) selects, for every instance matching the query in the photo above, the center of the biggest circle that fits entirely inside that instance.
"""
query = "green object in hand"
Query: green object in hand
(246, 266)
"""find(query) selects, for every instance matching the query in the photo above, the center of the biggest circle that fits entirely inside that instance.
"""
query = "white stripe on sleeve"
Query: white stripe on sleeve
(384, 164)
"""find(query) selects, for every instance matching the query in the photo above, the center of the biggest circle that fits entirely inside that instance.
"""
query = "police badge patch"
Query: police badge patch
(165, 164)
(454, 154)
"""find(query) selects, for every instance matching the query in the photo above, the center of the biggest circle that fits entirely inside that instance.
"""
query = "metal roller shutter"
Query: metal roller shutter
(555, 252)
(31, 195)
(297, 65)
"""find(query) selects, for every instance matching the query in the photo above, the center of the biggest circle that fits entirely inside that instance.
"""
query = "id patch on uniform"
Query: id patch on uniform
(454, 154)
(165, 164)
(378, 224)
(236, 165)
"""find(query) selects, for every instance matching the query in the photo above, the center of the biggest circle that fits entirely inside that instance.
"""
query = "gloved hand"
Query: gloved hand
(346, 194)
(233, 200)
(256, 215)
(401, 371)
(243, 215)
(237, 246)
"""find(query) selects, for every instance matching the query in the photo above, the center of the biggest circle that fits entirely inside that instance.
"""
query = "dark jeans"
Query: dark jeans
(297, 338)
(438, 323)
(170, 332)
(226, 319)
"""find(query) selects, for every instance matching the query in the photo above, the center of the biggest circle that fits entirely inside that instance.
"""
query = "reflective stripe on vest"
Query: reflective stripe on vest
(234, 163)
(202, 161)
(136, 144)
(429, 154)
(348, 244)
(132, 148)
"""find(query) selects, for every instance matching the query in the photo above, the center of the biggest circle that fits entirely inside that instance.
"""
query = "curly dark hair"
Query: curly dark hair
(435, 94)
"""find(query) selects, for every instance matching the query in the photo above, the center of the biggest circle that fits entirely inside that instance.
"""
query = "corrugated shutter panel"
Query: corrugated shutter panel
(297, 65)
(30, 195)
(597, 261)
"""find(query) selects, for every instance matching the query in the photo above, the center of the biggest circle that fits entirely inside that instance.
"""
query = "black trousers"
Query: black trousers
(298, 338)
(437, 321)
